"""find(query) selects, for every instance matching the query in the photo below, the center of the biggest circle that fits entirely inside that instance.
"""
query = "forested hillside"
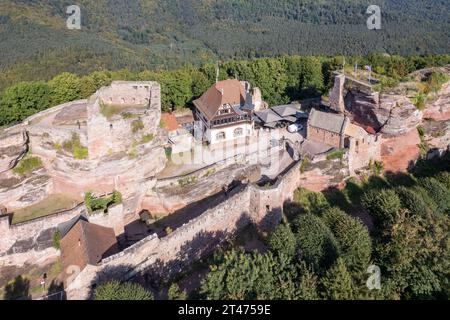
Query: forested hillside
(168, 34)
(281, 80)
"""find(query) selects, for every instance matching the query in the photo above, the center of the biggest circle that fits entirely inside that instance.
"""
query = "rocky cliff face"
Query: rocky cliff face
(393, 114)
(439, 109)
(13, 146)
(387, 113)
(119, 150)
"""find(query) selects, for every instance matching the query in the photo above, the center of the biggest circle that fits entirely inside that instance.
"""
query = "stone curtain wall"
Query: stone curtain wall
(20, 242)
(163, 258)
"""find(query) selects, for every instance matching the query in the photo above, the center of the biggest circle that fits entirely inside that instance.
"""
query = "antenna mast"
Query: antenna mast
(217, 72)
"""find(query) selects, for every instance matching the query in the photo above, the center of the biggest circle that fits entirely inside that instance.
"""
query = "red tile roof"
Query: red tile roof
(87, 243)
(170, 121)
(224, 92)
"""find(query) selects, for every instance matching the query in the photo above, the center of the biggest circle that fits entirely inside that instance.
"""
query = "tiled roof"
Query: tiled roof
(170, 121)
(327, 121)
(87, 244)
(287, 110)
(224, 92)
(268, 116)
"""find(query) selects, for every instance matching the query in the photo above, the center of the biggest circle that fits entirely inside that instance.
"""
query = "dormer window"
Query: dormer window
(224, 109)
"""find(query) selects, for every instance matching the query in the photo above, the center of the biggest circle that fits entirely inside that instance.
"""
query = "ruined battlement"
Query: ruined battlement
(111, 140)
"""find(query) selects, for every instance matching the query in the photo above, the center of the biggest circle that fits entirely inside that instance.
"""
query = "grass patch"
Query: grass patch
(147, 138)
(132, 154)
(75, 147)
(183, 182)
(28, 165)
(137, 125)
(110, 110)
(338, 154)
(52, 204)
(128, 115)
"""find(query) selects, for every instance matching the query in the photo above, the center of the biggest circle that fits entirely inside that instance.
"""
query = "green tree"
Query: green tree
(115, 290)
(94, 81)
(338, 283)
(282, 240)
(412, 201)
(415, 257)
(438, 192)
(311, 83)
(23, 100)
(200, 83)
(444, 178)
(175, 293)
(317, 244)
(311, 202)
(382, 205)
(353, 237)
(308, 284)
(236, 275)
(65, 87)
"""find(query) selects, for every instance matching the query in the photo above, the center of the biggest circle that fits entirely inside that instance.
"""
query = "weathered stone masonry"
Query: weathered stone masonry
(166, 256)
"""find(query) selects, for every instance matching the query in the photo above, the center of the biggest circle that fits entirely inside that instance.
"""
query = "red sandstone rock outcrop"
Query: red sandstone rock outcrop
(399, 152)
(439, 109)
(13, 145)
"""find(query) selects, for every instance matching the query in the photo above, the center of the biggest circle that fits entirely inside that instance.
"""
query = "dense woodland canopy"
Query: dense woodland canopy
(169, 34)
(282, 80)
(323, 249)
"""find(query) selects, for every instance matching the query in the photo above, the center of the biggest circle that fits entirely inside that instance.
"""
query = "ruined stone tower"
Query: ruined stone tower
(337, 94)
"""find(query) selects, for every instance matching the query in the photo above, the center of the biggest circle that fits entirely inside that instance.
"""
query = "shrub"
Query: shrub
(28, 165)
(116, 197)
(376, 167)
(175, 293)
(419, 100)
(147, 138)
(183, 182)
(421, 131)
(115, 290)
(132, 154)
(444, 178)
(168, 230)
(75, 147)
(168, 152)
(92, 204)
(57, 240)
(436, 80)
(80, 153)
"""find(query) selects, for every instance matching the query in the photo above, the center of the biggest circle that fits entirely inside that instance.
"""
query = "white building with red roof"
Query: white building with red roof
(225, 111)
